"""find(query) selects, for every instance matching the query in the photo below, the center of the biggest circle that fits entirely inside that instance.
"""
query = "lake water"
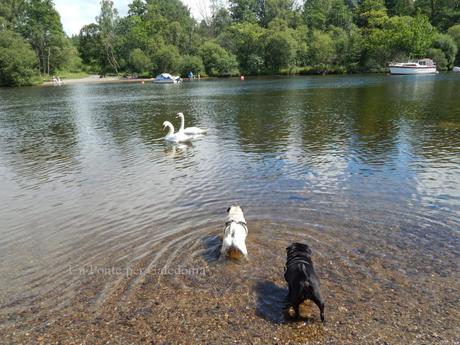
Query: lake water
(94, 204)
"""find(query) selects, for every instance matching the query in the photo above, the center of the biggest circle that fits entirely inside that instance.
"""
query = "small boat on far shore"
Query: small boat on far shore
(456, 69)
(166, 78)
(422, 66)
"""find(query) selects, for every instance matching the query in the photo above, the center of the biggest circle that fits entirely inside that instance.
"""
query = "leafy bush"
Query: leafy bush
(280, 50)
(454, 32)
(139, 62)
(217, 61)
(446, 44)
(438, 57)
(192, 64)
(17, 60)
(167, 59)
(322, 50)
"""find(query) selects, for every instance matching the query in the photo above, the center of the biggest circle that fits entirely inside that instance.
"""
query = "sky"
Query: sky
(75, 14)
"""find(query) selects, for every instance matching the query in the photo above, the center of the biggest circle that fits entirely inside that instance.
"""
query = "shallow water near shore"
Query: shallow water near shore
(107, 233)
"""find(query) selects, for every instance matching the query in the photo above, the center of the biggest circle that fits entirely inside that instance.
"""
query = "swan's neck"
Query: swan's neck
(182, 122)
(171, 129)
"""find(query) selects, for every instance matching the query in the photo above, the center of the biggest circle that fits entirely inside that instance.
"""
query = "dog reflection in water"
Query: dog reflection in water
(235, 233)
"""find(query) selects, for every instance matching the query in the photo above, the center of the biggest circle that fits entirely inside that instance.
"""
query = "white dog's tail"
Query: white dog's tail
(233, 244)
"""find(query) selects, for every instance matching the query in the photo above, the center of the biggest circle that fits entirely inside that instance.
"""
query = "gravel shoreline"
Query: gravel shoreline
(368, 301)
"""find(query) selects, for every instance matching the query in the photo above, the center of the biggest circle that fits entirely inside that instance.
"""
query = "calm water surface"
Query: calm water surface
(364, 168)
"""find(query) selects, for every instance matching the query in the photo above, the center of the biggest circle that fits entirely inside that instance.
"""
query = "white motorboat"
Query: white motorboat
(166, 78)
(456, 69)
(422, 66)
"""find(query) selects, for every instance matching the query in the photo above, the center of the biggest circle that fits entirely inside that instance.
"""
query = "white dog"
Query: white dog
(236, 230)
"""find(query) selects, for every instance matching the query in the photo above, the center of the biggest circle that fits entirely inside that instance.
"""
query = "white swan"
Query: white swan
(178, 137)
(189, 130)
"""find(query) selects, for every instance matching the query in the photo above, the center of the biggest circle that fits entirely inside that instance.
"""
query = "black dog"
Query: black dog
(301, 277)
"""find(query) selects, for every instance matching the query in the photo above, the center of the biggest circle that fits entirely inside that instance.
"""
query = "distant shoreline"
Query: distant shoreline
(95, 79)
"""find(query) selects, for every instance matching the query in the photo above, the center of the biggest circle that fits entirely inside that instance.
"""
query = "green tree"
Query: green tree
(250, 11)
(322, 50)
(107, 21)
(409, 35)
(245, 40)
(400, 7)
(339, 15)
(301, 35)
(171, 10)
(355, 49)
(167, 59)
(376, 53)
(10, 11)
(280, 9)
(447, 46)
(17, 60)
(69, 57)
(348, 47)
(280, 50)
(139, 62)
(315, 13)
(442, 13)
(90, 46)
(454, 32)
(217, 61)
(170, 21)
(136, 8)
(192, 64)
(438, 56)
(397, 38)
(371, 14)
(41, 26)
(221, 19)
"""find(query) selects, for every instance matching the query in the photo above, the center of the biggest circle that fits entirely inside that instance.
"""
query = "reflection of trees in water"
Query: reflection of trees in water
(435, 123)
(262, 121)
(322, 121)
(374, 119)
(408, 110)
(435, 141)
(40, 144)
(123, 122)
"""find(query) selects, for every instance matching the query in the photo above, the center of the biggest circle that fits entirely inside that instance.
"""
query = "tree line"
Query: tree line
(237, 37)
(33, 42)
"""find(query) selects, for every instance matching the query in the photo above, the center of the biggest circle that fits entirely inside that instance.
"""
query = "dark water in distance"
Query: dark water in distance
(86, 179)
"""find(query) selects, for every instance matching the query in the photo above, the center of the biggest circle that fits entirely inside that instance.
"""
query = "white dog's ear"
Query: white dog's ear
(228, 209)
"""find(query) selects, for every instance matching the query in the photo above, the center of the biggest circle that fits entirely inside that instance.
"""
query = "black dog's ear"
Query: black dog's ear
(242, 209)
(228, 209)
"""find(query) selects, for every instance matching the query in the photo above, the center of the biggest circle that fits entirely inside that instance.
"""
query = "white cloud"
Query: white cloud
(75, 14)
